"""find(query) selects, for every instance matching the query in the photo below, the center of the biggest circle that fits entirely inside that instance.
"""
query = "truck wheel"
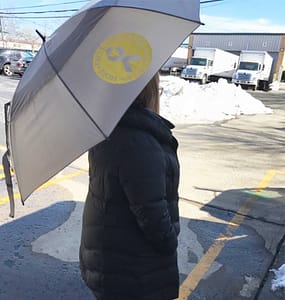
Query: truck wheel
(259, 85)
(204, 79)
(266, 86)
(6, 70)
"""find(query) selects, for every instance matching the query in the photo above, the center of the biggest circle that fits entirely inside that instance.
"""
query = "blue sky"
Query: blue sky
(224, 16)
(46, 26)
(243, 16)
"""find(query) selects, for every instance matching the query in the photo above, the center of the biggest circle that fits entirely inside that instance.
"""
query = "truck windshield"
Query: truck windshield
(246, 65)
(195, 61)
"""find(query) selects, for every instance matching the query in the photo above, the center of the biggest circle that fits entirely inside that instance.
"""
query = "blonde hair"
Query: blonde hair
(149, 96)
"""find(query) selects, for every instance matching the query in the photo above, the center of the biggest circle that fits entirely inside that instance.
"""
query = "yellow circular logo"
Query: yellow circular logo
(122, 58)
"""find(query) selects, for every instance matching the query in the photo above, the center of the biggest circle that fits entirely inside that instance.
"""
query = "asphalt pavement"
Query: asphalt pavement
(235, 172)
(231, 207)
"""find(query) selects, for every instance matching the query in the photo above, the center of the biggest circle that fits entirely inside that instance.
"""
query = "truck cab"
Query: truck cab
(254, 70)
(248, 74)
(198, 69)
(210, 64)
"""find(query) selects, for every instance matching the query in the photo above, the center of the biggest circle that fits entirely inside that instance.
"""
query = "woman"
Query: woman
(131, 218)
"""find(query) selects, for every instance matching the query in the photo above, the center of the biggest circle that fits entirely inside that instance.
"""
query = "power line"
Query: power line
(64, 10)
(210, 1)
(37, 12)
(10, 15)
(73, 2)
(50, 17)
(44, 5)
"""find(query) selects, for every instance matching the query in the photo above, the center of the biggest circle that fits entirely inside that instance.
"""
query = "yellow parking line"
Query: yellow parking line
(2, 176)
(195, 276)
(265, 181)
(1, 167)
(47, 184)
(280, 172)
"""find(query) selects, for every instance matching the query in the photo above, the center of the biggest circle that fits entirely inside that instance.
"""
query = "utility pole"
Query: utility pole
(2, 30)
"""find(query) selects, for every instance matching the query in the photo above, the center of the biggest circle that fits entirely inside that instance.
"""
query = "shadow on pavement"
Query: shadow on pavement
(267, 204)
(245, 246)
(240, 233)
(26, 275)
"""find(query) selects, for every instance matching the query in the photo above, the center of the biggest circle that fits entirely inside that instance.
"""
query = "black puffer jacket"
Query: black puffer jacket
(131, 218)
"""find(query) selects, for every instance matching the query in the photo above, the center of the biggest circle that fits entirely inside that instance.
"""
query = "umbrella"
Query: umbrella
(84, 78)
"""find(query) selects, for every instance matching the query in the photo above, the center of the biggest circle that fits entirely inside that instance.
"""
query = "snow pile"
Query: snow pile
(279, 281)
(275, 86)
(184, 102)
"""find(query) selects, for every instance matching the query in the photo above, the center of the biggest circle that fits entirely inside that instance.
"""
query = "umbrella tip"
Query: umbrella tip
(41, 36)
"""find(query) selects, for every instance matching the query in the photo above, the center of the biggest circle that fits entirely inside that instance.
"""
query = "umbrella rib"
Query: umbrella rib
(72, 94)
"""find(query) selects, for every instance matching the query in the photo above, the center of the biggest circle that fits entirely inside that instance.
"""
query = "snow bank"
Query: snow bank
(184, 102)
(279, 281)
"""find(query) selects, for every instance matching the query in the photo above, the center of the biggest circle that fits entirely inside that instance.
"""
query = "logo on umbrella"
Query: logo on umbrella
(122, 58)
(118, 54)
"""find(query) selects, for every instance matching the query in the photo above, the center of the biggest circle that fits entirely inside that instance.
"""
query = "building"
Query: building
(18, 44)
(273, 43)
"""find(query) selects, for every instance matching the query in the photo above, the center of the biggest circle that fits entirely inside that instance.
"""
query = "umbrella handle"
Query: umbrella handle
(6, 111)
(7, 166)
(9, 183)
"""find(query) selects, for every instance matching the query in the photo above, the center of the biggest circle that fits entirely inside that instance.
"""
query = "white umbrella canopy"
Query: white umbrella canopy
(85, 77)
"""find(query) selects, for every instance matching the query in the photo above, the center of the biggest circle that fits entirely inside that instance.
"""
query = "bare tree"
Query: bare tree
(28, 37)
(15, 34)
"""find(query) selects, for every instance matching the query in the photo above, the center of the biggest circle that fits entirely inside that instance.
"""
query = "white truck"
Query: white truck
(254, 70)
(176, 62)
(210, 64)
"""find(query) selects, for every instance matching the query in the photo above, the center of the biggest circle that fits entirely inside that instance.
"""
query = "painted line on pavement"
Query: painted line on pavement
(2, 176)
(198, 272)
(48, 184)
(45, 185)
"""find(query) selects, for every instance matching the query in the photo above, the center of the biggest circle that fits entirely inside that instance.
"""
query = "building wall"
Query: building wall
(238, 42)
(20, 45)
(280, 62)
(190, 46)
(273, 43)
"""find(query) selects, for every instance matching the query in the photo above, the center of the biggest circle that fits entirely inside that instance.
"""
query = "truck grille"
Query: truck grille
(190, 71)
(243, 76)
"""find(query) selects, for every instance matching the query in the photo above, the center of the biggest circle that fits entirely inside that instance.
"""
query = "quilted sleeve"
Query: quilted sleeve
(142, 175)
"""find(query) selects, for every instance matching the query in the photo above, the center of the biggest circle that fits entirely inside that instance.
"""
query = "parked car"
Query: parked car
(19, 66)
(7, 55)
